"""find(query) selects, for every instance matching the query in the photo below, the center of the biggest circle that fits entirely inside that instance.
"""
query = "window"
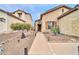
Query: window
(62, 10)
(20, 14)
(2, 20)
(51, 24)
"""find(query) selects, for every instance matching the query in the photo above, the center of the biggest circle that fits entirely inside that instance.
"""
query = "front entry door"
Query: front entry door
(25, 51)
(39, 27)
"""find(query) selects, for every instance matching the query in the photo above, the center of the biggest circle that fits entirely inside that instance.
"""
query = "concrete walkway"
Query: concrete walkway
(40, 45)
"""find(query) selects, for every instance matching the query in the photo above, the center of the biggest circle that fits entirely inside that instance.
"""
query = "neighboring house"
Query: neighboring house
(69, 22)
(23, 15)
(6, 19)
(49, 18)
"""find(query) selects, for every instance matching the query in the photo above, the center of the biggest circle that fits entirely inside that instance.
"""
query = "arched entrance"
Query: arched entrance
(39, 27)
(25, 51)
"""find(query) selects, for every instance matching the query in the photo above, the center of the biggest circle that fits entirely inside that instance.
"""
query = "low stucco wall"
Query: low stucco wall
(14, 47)
(64, 48)
(69, 24)
(40, 46)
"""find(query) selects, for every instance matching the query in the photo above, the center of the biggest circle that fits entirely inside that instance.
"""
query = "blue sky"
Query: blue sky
(34, 9)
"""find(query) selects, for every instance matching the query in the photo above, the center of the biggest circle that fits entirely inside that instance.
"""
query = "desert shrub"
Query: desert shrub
(28, 26)
(55, 30)
(20, 26)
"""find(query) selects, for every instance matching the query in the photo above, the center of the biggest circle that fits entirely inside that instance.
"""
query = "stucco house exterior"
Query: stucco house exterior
(49, 18)
(37, 25)
(69, 22)
(23, 15)
(7, 18)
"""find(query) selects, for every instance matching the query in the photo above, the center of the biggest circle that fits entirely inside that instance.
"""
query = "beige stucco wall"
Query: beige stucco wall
(12, 20)
(36, 25)
(64, 48)
(52, 16)
(26, 17)
(13, 47)
(70, 24)
(5, 26)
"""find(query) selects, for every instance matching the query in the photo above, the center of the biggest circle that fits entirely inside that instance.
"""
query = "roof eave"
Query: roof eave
(68, 12)
(11, 15)
(53, 10)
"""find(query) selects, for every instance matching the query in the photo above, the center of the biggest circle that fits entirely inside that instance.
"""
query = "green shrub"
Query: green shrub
(28, 27)
(55, 30)
(20, 26)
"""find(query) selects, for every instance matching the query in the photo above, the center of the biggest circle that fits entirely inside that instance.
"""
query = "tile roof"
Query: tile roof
(11, 15)
(68, 12)
(22, 11)
(55, 8)
(37, 20)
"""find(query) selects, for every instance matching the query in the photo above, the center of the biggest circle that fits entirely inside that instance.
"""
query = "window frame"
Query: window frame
(62, 10)
(50, 24)
(19, 14)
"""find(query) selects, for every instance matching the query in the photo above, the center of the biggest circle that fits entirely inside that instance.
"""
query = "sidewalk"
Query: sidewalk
(40, 45)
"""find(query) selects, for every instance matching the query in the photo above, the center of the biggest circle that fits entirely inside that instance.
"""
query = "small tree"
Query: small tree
(20, 26)
(28, 27)
(16, 26)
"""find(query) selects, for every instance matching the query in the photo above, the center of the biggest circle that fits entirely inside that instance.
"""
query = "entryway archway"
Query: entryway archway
(39, 27)
(25, 51)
